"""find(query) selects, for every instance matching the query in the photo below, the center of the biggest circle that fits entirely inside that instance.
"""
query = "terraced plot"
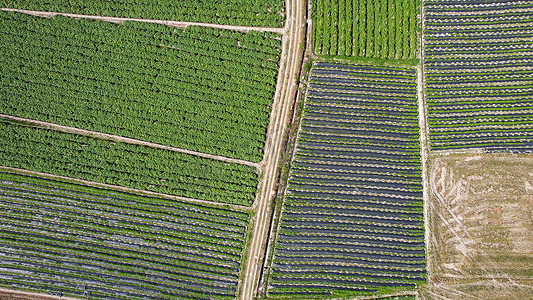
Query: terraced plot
(231, 12)
(479, 74)
(352, 220)
(67, 239)
(199, 89)
(126, 165)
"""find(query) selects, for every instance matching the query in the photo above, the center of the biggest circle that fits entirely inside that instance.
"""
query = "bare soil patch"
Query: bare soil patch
(481, 224)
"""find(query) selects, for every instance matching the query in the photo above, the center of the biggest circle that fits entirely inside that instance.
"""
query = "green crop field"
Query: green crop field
(352, 222)
(479, 75)
(363, 28)
(126, 165)
(68, 239)
(233, 12)
(200, 89)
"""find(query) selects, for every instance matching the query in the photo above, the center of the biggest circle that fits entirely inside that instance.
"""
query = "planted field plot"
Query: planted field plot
(127, 165)
(385, 29)
(74, 240)
(232, 12)
(200, 89)
(479, 74)
(352, 220)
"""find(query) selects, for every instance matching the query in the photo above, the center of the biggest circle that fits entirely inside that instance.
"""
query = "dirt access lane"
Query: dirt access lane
(283, 101)
(180, 24)
(121, 139)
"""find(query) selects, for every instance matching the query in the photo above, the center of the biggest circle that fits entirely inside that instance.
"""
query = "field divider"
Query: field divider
(125, 189)
(423, 125)
(179, 24)
(121, 139)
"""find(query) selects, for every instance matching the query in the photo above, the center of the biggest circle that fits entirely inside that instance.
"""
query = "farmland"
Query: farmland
(352, 221)
(362, 28)
(233, 12)
(481, 223)
(127, 165)
(200, 89)
(87, 242)
(479, 83)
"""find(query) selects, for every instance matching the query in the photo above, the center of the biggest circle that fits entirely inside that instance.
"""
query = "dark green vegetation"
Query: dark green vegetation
(200, 89)
(352, 218)
(68, 239)
(364, 28)
(126, 165)
(479, 74)
(232, 12)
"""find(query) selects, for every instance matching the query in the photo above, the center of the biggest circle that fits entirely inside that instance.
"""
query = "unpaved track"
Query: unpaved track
(23, 295)
(120, 139)
(180, 24)
(280, 117)
(124, 189)
(424, 139)
(424, 150)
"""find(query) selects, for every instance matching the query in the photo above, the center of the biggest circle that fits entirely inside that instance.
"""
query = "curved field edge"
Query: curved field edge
(236, 12)
(127, 165)
(201, 89)
(81, 238)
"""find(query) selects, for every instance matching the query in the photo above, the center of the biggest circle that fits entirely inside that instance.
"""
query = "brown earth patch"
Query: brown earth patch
(481, 226)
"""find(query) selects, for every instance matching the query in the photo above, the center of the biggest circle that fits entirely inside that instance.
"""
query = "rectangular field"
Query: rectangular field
(68, 239)
(481, 217)
(479, 74)
(127, 165)
(352, 218)
(230, 12)
(199, 89)
(385, 29)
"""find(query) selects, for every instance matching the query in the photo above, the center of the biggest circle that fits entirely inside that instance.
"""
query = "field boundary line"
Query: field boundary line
(121, 139)
(125, 189)
(280, 116)
(424, 139)
(179, 24)
(25, 295)
(404, 293)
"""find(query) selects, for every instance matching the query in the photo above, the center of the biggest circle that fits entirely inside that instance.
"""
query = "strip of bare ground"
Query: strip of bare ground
(285, 91)
(424, 140)
(121, 139)
(125, 189)
(23, 295)
(179, 24)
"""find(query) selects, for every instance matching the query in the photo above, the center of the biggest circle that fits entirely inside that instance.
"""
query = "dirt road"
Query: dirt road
(163, 22)
(124, 189)
(424, 141)
(121, 139)
(280, 117)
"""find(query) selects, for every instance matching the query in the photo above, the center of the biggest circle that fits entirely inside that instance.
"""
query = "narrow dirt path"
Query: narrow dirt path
(283, 101)
(424, 140)
(125, 189)
(180, 24)
(116, 138)
(23, 295)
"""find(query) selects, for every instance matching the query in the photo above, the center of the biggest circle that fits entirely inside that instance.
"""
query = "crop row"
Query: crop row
(83, 241)
(352, 221)
(126, 165)
(198, 88)
(362, 28)
(478, 74)
(234, 12)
